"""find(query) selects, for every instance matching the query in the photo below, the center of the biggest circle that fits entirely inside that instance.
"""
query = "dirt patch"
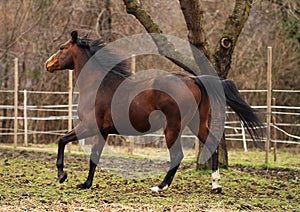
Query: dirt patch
(28, 182)
(123, 166)
(131, 167)
(275, 173)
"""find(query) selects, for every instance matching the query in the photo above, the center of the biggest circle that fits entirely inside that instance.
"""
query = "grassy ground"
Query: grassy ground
(28, 183)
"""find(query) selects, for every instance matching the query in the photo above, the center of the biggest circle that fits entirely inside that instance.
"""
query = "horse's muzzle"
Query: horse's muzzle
(49, 68)
(50, 64)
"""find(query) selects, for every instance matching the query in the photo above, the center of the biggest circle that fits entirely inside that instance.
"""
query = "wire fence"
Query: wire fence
(25, 122)
(234, 129)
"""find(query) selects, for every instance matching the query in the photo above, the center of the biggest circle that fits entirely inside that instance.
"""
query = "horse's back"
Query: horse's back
(176, 97)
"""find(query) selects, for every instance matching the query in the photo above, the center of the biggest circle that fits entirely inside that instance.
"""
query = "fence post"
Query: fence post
(244, 137)
(16, 86)
(25, 119)
(274, 132)
(269, 101)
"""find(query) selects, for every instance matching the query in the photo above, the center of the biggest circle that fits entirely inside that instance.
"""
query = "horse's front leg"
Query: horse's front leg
(71, 136)
(99, 142)
(216, 188)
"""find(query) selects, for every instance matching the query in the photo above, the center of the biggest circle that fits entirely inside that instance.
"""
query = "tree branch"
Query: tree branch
(165, 47)
(134, 7)
(233, 27)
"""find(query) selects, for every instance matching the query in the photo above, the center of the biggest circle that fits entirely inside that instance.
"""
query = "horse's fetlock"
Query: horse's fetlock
(59, 166)
(215, 175)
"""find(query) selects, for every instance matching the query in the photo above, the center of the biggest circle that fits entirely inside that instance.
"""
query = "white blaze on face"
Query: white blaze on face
(50, 62)
(215, 179)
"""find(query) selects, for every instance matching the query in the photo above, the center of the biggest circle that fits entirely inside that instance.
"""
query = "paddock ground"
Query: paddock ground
(28, 183)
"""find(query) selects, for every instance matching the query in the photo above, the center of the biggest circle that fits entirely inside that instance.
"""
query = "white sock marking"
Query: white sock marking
(215, 179)
(157, 189)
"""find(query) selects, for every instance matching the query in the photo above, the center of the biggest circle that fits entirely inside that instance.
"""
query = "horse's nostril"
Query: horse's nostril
(49, 64)
(49, 68)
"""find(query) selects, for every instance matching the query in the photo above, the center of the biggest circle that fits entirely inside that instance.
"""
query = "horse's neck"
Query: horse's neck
(80, 62)
(90, 78)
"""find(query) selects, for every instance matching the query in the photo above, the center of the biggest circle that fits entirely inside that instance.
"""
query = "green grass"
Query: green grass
(287, 158)
(28, 182)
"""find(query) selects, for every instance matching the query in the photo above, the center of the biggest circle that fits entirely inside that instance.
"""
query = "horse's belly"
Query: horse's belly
(139, 122)
(149, 122)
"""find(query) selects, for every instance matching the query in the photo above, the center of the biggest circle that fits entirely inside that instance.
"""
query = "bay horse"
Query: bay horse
(169, 107)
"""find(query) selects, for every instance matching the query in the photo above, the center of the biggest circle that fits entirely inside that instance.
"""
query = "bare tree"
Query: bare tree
(33, 29)
(193, 13)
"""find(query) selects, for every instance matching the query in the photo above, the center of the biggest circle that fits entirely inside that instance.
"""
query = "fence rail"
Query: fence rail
(234, 128)
(234, 125)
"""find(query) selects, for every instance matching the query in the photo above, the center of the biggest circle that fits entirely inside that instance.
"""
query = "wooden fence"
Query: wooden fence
(234, 129)
(68, 110)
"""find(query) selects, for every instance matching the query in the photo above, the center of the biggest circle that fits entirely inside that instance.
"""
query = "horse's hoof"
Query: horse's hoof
(217, 190)
(157, 188)
(62, 177)
(83, 186)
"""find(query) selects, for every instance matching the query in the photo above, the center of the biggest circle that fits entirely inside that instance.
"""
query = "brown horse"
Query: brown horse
(111, 99)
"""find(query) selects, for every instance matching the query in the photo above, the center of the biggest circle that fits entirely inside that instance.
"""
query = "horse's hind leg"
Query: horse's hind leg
(99, 142)
(216, 188)
(176, 156)
(211, 145)
(211, 142)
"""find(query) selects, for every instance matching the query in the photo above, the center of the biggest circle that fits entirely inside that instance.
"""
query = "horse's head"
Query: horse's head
(76, 52)
(63, 58)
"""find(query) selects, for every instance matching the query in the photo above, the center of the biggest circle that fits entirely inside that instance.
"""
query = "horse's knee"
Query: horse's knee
(179, 156)
(63, 141)
(176, 152)
(94, 158)
(96, 151)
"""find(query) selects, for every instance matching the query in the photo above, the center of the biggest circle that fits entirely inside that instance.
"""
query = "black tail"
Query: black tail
(234, 100)
(247, 114)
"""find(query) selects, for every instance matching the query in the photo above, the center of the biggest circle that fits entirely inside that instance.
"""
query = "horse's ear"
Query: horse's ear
(74, 36)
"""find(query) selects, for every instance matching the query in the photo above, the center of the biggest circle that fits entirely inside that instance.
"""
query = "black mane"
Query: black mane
(95, 45)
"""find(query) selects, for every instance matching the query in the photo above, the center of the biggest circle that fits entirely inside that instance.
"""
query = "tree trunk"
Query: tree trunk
(103, 25)
(223, 54)
(5, 124)
(233, 27)
(193, 14)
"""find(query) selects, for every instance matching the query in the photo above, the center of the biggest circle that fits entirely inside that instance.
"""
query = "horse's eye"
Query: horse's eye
(61, 48)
